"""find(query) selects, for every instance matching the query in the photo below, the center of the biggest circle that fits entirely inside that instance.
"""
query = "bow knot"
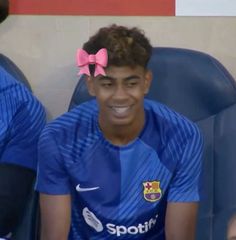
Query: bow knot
(99, 60)
(92, 59)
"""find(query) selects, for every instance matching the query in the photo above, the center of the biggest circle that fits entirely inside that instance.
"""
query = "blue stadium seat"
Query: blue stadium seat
(198, 86)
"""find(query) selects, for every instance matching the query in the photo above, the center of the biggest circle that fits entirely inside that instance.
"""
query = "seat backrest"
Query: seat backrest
(27, 227)
(198, 86)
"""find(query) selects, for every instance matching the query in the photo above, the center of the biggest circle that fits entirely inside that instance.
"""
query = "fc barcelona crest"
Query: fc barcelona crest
(152, 191)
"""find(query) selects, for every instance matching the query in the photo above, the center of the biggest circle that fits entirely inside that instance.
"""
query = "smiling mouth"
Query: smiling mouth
(121, 110)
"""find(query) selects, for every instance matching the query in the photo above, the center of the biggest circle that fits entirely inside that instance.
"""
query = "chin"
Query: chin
(121, 122)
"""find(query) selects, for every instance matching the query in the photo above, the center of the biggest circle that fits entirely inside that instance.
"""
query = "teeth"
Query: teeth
(120, 110)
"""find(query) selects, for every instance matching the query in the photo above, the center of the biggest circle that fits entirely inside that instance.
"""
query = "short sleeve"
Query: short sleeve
(52, 177)
(22, 134)
(184, 186)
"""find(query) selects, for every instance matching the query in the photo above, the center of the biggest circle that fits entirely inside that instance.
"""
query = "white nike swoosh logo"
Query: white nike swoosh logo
(80, 189)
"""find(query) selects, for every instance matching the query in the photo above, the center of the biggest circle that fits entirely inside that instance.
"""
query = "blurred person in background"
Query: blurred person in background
(22, 117)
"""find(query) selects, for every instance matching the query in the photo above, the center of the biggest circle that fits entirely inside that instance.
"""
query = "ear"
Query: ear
(90, 85)
(147, 81)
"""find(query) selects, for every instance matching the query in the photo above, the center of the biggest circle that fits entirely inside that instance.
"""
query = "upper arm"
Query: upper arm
(52, 176)
(180, 221)
(55, 216)
(183, 194)
(54, 186)
(184, 185)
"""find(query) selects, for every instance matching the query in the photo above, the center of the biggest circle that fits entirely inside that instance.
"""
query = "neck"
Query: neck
(122, 135)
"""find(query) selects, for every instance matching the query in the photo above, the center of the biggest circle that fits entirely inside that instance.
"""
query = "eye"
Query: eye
(132, 83)
(106, 84)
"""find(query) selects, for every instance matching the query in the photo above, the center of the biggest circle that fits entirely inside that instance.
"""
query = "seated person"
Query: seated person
(22, 118)
(119, 166)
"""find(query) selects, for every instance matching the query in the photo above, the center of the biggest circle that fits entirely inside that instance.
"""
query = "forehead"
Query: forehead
(124, 72)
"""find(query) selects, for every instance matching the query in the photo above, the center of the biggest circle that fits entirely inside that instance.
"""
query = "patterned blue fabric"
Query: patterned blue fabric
(120, 191)
(22, 118)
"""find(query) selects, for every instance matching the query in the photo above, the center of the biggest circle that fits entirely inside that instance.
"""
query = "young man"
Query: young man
(119, 166)
(22, 118)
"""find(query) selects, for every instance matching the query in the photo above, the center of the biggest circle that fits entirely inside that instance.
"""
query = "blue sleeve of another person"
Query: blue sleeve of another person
(22, 120)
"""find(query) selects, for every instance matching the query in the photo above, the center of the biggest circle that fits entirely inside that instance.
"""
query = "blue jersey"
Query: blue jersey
(22, 118)
(120, 192)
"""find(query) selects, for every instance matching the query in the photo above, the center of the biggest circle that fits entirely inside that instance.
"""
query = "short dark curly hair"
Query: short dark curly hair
(4, 9)
(125, 46)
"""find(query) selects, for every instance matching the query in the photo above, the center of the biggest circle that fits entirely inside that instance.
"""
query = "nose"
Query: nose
(120, 92)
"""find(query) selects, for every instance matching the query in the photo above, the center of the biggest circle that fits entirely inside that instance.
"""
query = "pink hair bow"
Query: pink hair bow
(99, 59)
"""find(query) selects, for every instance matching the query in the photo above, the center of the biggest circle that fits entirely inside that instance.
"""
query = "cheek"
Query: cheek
(102, 96)
(138, 92)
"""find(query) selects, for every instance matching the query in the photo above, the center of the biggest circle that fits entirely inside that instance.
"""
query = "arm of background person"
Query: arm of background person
(21, 123)
(19, 143)
(55, 216)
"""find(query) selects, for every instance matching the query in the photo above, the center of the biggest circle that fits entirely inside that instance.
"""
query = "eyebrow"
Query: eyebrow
(126, 79)
(105, 78)
(232, 238)
(132, 77)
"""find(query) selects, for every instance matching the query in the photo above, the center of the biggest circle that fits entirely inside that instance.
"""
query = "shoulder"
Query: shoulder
(69, 123)
(9, 84)
(168, 116)
(18, 102)
(171, 122)
(10, 88)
